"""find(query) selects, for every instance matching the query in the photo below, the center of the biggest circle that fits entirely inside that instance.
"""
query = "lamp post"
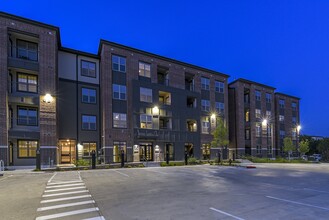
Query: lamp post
(297, 138)
(265, 123)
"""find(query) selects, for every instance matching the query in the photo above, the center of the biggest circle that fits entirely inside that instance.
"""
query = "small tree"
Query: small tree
(220, 135)
(288, 146)
(323, 149)
(304, 147)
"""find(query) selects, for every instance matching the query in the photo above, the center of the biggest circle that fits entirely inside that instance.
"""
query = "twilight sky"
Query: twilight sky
(284, 44)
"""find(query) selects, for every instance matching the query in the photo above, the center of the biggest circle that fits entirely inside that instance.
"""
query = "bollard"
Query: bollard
(93, 160)
(185, 157)
(2, 167)
(233, 156)
(218, 157)
(38, 160)
(122, 158)
(167, 157)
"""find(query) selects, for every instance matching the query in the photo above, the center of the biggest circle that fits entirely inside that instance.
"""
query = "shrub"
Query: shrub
(82, 163)
(192, 161)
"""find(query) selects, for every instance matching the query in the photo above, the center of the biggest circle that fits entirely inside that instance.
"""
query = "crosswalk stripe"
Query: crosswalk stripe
(64, 214)
(66, 185)
(65, 193)
(64, 182)
(65, 205)
(95, 218)
(65, 189)
(65, 198)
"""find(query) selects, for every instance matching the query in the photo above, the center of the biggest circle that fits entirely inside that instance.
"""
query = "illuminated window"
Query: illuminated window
(88, 148)
(146, 121)
(27, 149)
(144, 69)
(27, 83)
(119, 120)
(258, 113)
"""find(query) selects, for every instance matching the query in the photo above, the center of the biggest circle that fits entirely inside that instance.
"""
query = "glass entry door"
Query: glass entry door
(67, 151)
(146, 152)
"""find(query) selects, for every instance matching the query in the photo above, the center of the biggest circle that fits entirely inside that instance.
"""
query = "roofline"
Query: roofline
(294, 97)
(251, 82)
(33, 22)
(70, 50)
(102, 41)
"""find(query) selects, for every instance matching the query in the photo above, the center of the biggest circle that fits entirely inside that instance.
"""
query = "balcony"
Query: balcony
(29, 61)
(164, 98)
(189, 82)
(146, 133)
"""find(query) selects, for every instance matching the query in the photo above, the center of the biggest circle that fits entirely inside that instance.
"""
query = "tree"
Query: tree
(220, 135)
(304, 147)
(323, 148)
(288, 146)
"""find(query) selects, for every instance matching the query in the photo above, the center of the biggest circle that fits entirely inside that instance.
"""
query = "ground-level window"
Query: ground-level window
(27, 149)
(118, 146)
(206, 151)
(88, 148)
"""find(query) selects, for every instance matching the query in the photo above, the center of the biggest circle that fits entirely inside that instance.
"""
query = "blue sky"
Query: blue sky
(284, 44)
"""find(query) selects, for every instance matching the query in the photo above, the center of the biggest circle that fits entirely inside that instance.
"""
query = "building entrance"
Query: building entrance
(66, 151)
(146, 152)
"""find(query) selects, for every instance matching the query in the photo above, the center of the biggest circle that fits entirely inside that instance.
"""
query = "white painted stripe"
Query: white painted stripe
(64, 214)
(65, 189)
(95, 218)
(64, 182)
(65, 205)
(316, 190)
(79, 176)
(298, 203)
(225, 213)
(121, 173)
(3, 178)
(155, 171)
(48, 147)
(3, 146)
(65, 193)
(64, 185)
(65, 198)
(52, 177)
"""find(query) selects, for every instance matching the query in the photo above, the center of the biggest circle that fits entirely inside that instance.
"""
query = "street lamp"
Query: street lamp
(298, 128)
(265, 123)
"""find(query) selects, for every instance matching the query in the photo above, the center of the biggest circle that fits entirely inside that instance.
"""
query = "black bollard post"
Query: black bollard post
(185, 157)
(218, 157)
(233, 156)
(122, 158)
(167, 157)
(93, 160)
(38, 160)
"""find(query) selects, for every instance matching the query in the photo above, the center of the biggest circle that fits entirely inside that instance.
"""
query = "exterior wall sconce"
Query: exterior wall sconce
(155, 110)
(48, 98)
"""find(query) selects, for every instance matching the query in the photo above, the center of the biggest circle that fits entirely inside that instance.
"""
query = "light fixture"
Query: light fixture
(213, 116)
(48, 98)
(299, 127)
(264, 122)
(155, 110)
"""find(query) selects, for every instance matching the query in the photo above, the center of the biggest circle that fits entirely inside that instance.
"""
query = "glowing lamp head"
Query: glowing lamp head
(155, 110)
(264, 122)
(48, 98)
(299, 127)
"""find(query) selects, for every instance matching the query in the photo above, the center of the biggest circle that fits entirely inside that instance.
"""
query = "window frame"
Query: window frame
(219, 110)
(27, 50)
(205, 83)
(146, 95)
(119, 63)
(258, 95)
(27, 149)
(219, 86)
(142, 72)
(146, 122)
(120, 92)
(89, 143)
(205, 129)
(119, 121)
(27, 108)
(268, 97)
(258, 115)
(89, 123)
(89, 62)
(27, 82)
(281, 103)
(205, 108)
(90, 89)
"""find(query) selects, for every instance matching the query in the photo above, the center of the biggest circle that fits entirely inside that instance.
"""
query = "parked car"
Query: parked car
(317, 157)
(304, 157)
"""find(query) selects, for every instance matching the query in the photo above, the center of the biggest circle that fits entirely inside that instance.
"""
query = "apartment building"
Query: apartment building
(66, 103)
(287, 120)
(257, 125)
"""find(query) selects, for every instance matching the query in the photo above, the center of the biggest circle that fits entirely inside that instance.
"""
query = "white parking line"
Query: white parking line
(52, 177)
(225, 213)
(65, 189)
(298, 203)
(5, 177)
(66, 193)
(95, 218)
(65, 185)
(63, 214)
(64, 182)
(316, 190)
(65, 205)
(65, 198)
(121, 173)
(155, 171)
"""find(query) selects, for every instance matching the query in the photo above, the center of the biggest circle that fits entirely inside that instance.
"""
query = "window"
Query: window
(27, 149)
(247, 115)
(205, 82)
(119, 120)
(146, 121)
(219, 86)
(144, 69)
(247, 134)
(257, 95)
(89, 122)
(268, 114)
(88, 95)
(117, 148)
(258, 129)
(88, 68)
(281, 103)
(27, 83)
(219, 108)
(118, 63)
(268, 97)
(88, 148)
(145, 95)
(246, 98)
(119, 92)
(258, 149)
(27, 116)
(294, 106)
(281, 118)
(206, 151)
(164, 98)
(205, 105)
(191, 125)
(282, 134)
(205, 125)
(294, 120)
(294, 134)
(258, 113)
(27, 50)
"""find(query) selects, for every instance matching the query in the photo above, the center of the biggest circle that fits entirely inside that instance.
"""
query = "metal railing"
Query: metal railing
(2, 167)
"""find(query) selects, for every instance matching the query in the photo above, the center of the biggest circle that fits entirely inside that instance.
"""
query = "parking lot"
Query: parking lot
(271, 191)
